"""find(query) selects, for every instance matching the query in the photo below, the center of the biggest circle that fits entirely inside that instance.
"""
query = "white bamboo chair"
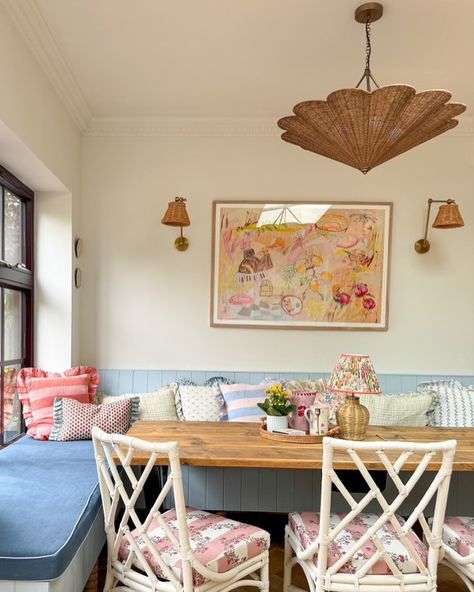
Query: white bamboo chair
(181, 550)
(357, 552)
(458, 545)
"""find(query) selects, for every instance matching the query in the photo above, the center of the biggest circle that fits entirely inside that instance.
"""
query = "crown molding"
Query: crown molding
(181, 126)
(137, 127)
(30, 23)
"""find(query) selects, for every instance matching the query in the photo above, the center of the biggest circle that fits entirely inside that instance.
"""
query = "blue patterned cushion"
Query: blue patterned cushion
(455, 406)
(217, 381)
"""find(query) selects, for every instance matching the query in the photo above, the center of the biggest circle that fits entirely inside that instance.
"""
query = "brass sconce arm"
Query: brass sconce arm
(448, 217)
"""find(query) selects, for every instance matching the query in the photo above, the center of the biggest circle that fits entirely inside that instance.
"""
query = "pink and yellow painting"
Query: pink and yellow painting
(301, 265)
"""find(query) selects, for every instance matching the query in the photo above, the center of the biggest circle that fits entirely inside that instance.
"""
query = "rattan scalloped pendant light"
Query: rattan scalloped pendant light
(364, 128)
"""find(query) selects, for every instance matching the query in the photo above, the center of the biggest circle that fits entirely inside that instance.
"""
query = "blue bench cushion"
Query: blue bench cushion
(49, 499)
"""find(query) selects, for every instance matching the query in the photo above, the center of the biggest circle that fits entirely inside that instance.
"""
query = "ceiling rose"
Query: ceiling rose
(364, 128)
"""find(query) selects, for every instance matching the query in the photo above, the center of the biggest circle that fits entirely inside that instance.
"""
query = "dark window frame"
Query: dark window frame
(19, 279)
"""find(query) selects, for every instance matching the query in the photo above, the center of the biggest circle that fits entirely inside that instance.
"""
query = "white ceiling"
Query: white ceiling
(251, 58)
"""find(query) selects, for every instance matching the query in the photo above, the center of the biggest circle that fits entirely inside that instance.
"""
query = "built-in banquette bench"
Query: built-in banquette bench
(51, 522)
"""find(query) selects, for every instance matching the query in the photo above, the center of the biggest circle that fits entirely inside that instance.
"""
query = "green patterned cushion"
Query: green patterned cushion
(405, 409)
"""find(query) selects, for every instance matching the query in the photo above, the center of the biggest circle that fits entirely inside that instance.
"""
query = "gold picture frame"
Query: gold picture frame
(300, 264)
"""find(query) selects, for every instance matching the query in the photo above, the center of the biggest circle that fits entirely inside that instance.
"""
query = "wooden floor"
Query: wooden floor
(448, 581)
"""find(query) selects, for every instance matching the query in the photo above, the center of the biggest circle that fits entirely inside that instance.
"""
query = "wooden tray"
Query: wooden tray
(308, 439)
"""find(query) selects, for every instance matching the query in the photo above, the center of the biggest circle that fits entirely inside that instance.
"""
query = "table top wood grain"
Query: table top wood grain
(232, 444)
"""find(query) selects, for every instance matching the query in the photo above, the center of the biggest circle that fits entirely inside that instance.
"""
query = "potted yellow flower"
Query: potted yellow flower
(277, 406)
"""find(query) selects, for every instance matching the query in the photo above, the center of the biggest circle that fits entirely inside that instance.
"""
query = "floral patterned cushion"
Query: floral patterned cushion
(306, 528)
(218, 543)
(458, 533)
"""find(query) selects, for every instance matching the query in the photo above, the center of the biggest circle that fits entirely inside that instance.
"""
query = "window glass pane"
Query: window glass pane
(13, 300)
(11, 403)
(13, 211)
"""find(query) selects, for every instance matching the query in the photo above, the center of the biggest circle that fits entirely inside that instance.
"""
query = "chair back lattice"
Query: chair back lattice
(394, 456)
(120, 490)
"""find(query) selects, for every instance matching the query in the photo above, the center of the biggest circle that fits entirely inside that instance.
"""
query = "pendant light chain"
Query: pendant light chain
(367, 75)
(368, 47)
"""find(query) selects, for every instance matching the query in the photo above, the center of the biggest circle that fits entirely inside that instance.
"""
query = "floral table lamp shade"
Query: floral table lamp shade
(354, 374)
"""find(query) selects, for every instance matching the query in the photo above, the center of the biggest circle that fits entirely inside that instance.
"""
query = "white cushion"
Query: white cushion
(199, 403)
(404, 409)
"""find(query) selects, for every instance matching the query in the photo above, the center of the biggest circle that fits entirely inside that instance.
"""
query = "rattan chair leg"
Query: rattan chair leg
(265, 575)
(287, 565)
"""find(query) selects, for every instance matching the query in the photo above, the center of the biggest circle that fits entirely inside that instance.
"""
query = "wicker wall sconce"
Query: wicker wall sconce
(176, 215)
(448, 216)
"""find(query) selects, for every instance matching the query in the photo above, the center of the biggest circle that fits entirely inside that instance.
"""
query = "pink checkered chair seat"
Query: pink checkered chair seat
(458, 534)
(458, 543)
(362, 552)
(306, 527)
(218, 543)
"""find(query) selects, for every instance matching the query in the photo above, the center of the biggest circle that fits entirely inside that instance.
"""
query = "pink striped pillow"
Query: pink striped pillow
(37, 390)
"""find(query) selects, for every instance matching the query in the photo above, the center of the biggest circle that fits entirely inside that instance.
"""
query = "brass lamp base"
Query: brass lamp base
(353, 419)
(181, 243)
(422, 246)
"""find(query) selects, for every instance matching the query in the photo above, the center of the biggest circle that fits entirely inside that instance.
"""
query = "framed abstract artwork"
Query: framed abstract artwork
(300, 265)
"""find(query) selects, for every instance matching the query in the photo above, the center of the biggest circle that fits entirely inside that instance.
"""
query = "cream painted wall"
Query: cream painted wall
(41, 145)
(144, 305)
(52, 287)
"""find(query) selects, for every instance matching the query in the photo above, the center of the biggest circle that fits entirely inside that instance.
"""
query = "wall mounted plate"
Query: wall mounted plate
(77, 277)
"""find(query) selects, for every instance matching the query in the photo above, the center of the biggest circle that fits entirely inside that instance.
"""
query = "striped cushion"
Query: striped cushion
(241, 401)
(38, 388)
(455, 406)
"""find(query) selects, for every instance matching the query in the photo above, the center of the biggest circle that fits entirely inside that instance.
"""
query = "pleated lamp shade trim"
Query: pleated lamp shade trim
(448, 216)
(176, 214)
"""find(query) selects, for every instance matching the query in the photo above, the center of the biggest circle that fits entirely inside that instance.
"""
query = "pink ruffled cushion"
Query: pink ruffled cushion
(306, 528)
(458, 533)
(218, 543)
(38, 388)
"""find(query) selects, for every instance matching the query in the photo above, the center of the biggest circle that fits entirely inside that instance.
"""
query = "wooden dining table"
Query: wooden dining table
(233, 444)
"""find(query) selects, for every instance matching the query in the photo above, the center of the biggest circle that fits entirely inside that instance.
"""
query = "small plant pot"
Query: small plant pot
(276, 423)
